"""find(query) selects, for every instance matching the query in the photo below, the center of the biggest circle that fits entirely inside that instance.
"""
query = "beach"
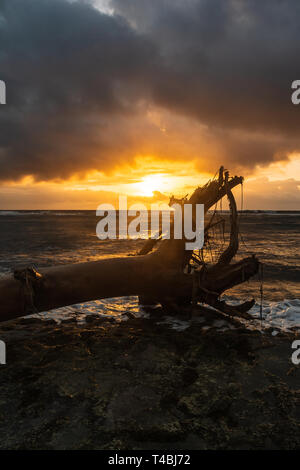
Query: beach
(112, 374)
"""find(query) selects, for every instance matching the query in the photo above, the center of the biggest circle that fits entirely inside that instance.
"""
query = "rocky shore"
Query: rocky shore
(142, 385)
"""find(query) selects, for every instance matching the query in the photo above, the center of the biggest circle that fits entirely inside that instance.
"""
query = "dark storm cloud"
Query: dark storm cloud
(80, 82)
(229, 63)
(70, 71)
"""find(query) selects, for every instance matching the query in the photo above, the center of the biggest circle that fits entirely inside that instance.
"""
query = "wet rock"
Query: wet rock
(139, 385)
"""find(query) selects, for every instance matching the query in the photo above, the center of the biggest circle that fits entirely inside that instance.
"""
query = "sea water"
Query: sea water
(47, 238)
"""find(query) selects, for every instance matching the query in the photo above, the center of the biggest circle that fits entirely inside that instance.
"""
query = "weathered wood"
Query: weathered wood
(158, 275)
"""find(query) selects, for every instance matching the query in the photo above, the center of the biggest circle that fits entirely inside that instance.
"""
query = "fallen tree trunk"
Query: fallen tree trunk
(157, 275)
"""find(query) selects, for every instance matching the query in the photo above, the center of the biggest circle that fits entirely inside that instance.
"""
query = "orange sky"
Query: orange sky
(149, 180)
(109, 97)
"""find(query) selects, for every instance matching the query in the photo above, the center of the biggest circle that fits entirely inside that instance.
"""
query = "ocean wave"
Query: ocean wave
(47, 213)
(92, 212)
(5, 213)
(21, 213)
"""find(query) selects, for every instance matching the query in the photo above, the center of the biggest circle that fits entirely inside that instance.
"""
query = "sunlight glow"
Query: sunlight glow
(149, 184)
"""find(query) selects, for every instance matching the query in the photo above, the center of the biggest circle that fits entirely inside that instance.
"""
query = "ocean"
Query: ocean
(47, 238)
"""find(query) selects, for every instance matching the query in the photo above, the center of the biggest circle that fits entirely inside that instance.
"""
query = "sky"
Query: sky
(148, 99)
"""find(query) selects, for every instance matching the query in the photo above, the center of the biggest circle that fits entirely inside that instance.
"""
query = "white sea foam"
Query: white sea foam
(284, 315)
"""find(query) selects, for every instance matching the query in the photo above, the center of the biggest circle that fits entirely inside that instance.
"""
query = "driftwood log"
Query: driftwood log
(155, 275)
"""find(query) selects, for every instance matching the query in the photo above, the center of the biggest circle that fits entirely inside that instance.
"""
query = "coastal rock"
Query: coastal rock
(140, 385)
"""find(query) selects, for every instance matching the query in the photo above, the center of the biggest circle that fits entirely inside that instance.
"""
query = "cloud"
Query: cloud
(54, 196)
(259, 194)
(82, 83)
(264, 194)
(228, 63)
(74, 78)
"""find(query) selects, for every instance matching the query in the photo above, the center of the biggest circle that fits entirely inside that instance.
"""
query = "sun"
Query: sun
(149, 184)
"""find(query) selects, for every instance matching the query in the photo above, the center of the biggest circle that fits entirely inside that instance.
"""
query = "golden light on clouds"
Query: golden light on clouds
(145, 177)
(282, 170)
(150, 180)
(141, 117)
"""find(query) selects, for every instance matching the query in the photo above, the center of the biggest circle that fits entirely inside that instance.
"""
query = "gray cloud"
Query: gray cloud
(230, 64)
(71, 72)
(80, 82)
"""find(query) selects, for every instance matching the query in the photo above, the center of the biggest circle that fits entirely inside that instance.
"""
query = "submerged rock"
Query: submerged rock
(140, 385)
